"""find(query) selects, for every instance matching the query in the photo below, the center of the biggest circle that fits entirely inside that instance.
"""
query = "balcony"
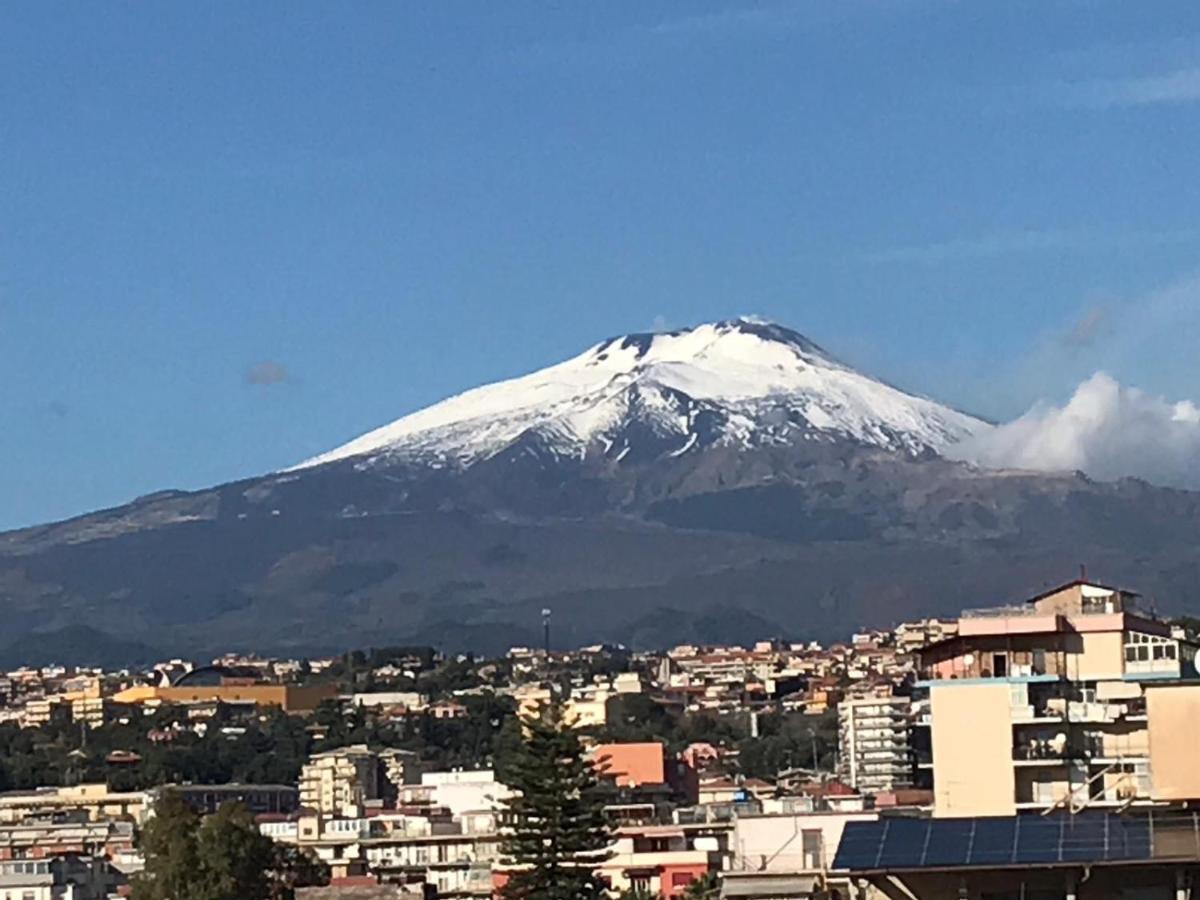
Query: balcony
(1045, 751)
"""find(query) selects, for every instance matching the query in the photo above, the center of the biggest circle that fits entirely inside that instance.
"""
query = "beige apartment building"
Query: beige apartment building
(1076, 699)
(341, 783)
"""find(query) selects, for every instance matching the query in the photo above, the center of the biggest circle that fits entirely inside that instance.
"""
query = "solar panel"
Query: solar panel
(950, 843)
(859, 847)
(893, 843)
(995, 842)
(902, 839)
(1084, 838)
(1038, 839)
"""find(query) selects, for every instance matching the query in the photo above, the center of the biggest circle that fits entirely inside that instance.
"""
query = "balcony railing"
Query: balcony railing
(1049, 751)
(1000, 612)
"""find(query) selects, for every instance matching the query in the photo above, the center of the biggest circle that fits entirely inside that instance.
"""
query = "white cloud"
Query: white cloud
(1106, 430)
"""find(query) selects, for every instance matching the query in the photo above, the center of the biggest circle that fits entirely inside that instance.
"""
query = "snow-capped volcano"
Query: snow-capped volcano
(742, 382)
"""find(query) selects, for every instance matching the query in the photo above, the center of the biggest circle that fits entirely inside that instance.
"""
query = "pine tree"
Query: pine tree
(557, 832)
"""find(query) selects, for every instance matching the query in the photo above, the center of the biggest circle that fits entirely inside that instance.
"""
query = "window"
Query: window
(1000, 665)
(811, 842)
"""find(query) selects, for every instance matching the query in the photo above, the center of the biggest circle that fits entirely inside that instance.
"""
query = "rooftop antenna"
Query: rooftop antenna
(546, 630)
(1082, 572)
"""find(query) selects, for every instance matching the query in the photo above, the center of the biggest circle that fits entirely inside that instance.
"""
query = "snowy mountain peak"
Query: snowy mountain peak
(741, 382)
(645, 344)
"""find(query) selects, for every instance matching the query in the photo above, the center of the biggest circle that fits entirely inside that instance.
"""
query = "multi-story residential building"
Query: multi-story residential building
(1056, 703)
(341, 782)
(659, 861)
(463, 792)
(259, 799)
(912, 636)
(728, 665)
(874, 743)
(57, 878)
(457, 865)
(92, 801)
(36, 839)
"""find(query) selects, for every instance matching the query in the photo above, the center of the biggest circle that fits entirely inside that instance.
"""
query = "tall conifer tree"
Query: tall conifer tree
(557, 832)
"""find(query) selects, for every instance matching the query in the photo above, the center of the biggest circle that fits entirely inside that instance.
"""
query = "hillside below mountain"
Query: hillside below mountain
(724, 483)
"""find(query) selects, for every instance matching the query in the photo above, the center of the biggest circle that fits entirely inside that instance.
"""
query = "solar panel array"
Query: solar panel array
(894, 843)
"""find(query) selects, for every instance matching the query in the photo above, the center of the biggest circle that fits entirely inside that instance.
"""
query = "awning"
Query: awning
(768, 885)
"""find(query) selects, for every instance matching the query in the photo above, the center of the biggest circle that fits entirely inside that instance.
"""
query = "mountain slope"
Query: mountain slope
(696, 485)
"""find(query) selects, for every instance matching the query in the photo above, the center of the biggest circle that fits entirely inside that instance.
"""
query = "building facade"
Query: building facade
(875, 744)
(1054, 704)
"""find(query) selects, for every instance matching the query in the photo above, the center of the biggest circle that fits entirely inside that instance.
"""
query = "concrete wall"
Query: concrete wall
(775, 843)
(1174, 716)
(1102, 655)
(1063, 602)
(972, 750)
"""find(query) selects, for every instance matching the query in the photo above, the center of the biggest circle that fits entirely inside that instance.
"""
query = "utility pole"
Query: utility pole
(546, 631)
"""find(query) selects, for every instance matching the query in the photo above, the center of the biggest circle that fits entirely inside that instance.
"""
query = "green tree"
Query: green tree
(557, 831)
(219, 857)
(235, 858)
(169, 846)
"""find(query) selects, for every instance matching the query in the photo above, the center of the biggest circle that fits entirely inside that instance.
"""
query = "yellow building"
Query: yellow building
(97, 801)
(1054, 704)
(291, 698)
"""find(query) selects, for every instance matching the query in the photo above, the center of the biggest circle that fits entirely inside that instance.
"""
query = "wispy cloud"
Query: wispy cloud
(1145, 338)
(1029, 241)
(267, 373)
(747, 20)
(1176, 87)
(723, 21)
(1089, 328)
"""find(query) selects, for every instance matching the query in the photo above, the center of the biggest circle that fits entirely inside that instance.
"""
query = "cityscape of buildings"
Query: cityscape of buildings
(901, 763)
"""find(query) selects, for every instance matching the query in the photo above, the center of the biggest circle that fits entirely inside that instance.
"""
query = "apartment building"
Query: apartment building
(659, 861)
(875, 743)
(1056, 703)
(466, 791)
(59, 878)
(40, 839)
(341, 782)
(94, 802)
(457, 865)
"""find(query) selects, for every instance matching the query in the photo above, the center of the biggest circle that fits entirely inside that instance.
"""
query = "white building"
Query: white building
(788, 855)
(874, 743)
(465, 792)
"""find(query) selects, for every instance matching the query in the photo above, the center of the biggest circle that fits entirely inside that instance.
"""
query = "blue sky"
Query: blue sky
(233, 235)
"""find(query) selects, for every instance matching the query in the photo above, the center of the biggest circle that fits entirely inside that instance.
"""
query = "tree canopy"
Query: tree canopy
(217, 858)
